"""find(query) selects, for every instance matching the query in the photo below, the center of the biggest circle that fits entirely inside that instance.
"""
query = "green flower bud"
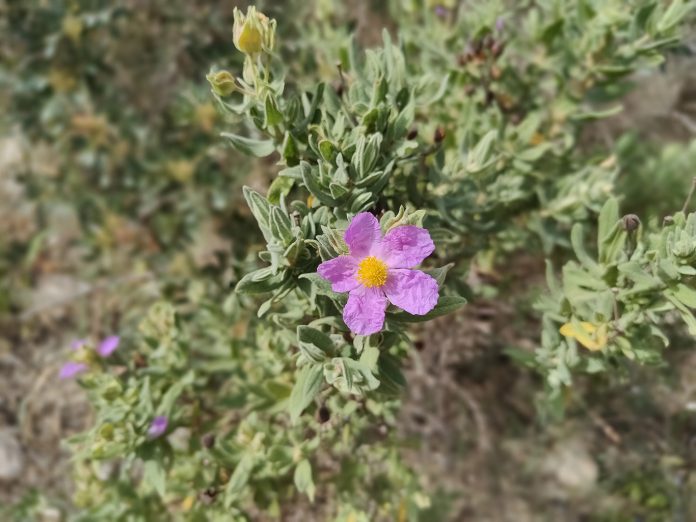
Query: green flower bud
(106, 431)
(112, 390)
(253, 32)
(222, 82)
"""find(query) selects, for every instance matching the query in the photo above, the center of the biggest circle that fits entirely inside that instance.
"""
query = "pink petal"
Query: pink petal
(71, 369)
(363, 234)
(340, 271)
(406, 246)
(364, 311)
(78, 343)
(108, 345)
(411, 290)
(158, 426)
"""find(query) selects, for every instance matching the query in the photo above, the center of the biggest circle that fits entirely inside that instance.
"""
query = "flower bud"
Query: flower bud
(222, 82)
(253, 32)
(106, 431)
(630, 222)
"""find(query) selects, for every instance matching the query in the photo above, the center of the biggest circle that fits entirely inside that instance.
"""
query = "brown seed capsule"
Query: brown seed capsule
(439, 135)
(208, 440)
(139, 360)
(338, 87)
(412, 133)
(497, 49)
(207, 496)
(324, 414)
(476, 46)
(630, 222)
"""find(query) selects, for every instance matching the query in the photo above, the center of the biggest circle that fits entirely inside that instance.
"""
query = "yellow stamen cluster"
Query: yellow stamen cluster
(372, 272)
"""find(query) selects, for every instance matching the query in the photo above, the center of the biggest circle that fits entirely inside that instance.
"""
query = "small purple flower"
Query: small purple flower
(108, 345)
(441, 11)
(500, 24)
(78, 343)
(71, 369)
(377, 272)
(158, 426)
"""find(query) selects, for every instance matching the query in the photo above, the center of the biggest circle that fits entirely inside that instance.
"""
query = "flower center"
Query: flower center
(372, 272)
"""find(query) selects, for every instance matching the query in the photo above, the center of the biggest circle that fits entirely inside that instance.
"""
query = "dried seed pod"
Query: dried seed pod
(208, 495)
(323, 414)
(497, 49)
(208, 440)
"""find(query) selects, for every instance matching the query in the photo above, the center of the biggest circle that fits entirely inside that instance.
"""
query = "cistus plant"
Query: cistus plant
(613, 303)
(454, 144)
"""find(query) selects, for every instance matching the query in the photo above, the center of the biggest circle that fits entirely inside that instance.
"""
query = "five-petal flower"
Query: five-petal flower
(378, 271)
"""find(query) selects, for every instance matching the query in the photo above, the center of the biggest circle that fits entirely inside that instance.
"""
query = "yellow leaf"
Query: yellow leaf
(591, 336)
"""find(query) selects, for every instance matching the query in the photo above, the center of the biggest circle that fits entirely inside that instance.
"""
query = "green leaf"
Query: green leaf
(480, 157)
(439, 274)
(307, 385)
(238, 480)
(577, 240)
(273, 115)
(291, 154)
(316, 100)
(258, 148)
(303, 479)
(155, 475)
(327, 150)
(445, 305)
(611, 237)
(172, 394)
(260, 281)
(314, 344)
(677, 10)
(309, 177)
(281, 226)
(368, 154)
(281, 186)
(685, 294)
(391, 378)
(608, 217)
(596, 115)
(261, 210)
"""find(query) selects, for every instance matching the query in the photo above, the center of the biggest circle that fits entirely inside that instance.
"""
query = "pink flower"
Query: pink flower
(71, 369)
(106, 348)
(377, 272)
(108, 345)
(78, 343)
(158, 426)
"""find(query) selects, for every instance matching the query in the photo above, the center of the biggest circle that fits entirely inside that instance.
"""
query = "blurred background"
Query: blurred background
(114, 185)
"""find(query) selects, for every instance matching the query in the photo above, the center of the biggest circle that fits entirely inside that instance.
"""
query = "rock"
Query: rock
(572, 466)
(11, 456)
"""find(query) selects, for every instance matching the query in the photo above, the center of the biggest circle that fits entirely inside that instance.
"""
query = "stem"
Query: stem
(341, 78)
(691, 193)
